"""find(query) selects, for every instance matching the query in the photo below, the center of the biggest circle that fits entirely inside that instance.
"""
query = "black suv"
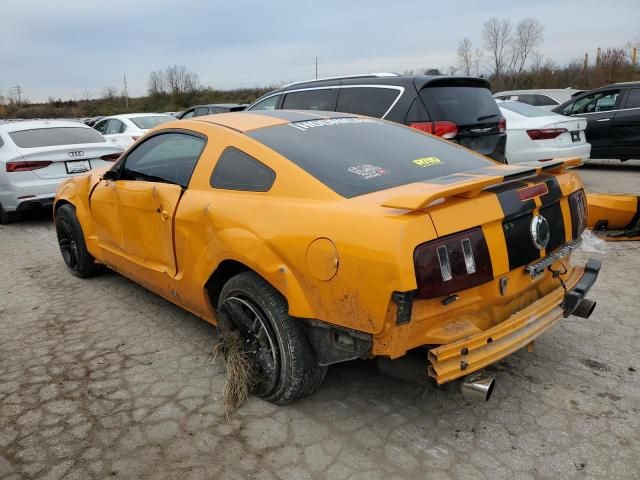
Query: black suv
(200, 110)
(613, 119)
(460, 109)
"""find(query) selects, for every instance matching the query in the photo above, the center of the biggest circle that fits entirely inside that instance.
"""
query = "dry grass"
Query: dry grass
(237, 384)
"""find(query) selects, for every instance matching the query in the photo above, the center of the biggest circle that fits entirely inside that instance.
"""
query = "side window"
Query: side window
(187, 114)
(543, 101)
(200, 111)
(323, 99)
(596, 102)
(267, 104)
(236, 170)
(115, 126)
(633, 98)
(102, 126)
(526, 98)
(168, 157)
(370, 101)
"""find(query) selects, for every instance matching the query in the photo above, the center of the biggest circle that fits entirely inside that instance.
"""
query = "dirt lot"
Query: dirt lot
(101, 379)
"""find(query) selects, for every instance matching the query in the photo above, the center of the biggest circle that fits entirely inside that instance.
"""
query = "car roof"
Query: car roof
(36, 124)
(538, 90)
(221, 105)
(136, 115)
(253, 120)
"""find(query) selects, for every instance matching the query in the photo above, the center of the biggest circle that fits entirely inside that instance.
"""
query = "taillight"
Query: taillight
(546, 133)
(578, 209)
(453, 263)
(26, 166)
(442, 129)
(502, 125)
(111, 157)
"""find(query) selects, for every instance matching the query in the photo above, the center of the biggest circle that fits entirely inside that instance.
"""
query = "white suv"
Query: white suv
(36, 155)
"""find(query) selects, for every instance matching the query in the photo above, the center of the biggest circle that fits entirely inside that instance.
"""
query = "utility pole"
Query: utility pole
(126, 96)
(634, 56)
(598, 56)
(316, 67)
(586, 61)
(18, 90)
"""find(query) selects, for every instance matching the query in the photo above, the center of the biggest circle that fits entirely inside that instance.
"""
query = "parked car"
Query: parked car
(613, 119)
(460, 109)
(213, 108)
(36, 155)
(123, 130)
(324, 237)
(93, 120)
(539, 135)
(545, 98)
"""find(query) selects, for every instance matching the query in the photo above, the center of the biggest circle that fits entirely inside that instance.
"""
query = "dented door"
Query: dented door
(147, 212)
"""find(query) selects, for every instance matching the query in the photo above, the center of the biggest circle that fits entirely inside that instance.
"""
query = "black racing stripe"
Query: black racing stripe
(508, 174)
(636, 217)
(555, 193)
(520, 247)
(507, 194)
(553, 214)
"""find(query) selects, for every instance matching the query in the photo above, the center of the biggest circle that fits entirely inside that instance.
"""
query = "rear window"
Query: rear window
(51, 137)
(525, 110)
(461, 105)
(356, 156)
(146, 123)
(370, 101)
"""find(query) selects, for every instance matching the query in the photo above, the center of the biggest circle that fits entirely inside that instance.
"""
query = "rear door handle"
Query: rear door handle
(163, 213)
(603, 120)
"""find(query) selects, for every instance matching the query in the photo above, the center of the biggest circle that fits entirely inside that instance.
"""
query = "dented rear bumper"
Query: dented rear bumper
(459, 358)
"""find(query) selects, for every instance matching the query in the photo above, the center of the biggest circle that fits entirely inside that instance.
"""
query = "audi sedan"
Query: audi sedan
(36, 155)
(317, 238)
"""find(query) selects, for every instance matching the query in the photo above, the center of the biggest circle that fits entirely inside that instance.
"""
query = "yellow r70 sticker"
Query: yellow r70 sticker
(427, 161)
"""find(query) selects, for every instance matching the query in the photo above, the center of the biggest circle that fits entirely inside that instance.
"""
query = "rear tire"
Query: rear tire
(284, 364)
(8, 217)
(72, 245)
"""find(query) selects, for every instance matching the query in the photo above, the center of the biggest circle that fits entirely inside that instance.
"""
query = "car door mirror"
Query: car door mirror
(110, 175)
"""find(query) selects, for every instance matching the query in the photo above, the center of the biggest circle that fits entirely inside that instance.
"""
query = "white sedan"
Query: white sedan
(536, 135)
(36, 155)
(123, 130)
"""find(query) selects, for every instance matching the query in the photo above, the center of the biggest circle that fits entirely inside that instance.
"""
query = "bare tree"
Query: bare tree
(179, 80)
(478, 53)
(156, 83)
(109, 93)
(465, 56)
(497, 36)
(87, 95)
(528, 36)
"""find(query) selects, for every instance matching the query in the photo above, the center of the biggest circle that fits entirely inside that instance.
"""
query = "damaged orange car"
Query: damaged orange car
(323, 238)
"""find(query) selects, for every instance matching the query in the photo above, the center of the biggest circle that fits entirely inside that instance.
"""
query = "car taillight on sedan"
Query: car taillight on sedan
(502, 125)
(578, 209)
(442, 129)
(545, 133)
(26, 166)
(452, 263)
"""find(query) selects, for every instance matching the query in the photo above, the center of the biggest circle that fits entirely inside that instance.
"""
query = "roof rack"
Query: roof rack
(344, 77)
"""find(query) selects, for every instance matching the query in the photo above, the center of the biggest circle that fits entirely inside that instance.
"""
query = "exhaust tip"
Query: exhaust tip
(478, 386)
(585, 308)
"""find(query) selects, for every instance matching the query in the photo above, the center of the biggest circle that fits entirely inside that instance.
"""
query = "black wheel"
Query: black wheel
(72, 246)
(283, 363)
(8, 217)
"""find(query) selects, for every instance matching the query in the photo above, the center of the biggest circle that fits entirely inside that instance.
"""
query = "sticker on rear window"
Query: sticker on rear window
(427, 161)
(330, 121)
(367, 171)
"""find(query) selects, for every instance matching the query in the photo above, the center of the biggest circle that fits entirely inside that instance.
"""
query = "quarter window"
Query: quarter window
(168, 157)
(322, 99)
(267, 104)
(370, 101)
(236, 170)
(115, 127)
(102, 126)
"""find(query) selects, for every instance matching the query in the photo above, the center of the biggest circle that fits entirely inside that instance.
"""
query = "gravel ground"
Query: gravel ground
(100, 378)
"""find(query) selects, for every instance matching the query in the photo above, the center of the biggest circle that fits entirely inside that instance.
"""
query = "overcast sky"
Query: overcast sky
(63, 48)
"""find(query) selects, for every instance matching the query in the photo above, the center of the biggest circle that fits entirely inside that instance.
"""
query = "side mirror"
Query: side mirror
(110, 175)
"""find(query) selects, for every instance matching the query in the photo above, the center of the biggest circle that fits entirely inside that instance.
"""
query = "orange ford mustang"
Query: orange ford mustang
(323, 238)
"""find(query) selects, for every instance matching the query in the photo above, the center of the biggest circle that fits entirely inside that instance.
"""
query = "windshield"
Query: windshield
(50, 137)
(354, 156)
(461, 105)
(525, 110)
(145, 123)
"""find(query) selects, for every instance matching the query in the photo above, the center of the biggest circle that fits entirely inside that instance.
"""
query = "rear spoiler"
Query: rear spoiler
(470, 184)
